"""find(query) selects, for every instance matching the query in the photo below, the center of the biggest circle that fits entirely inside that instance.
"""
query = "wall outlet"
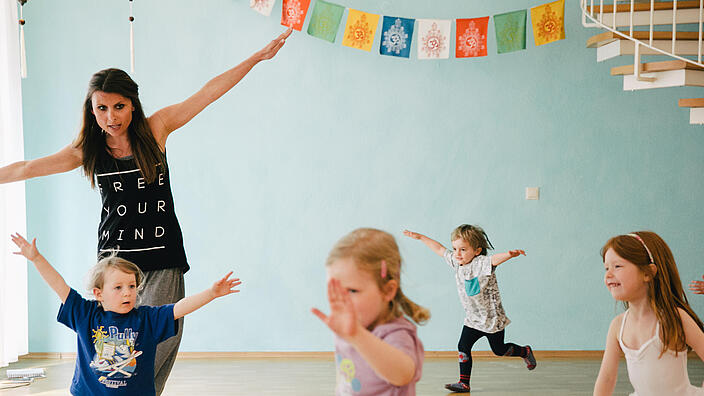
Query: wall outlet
(532, 193)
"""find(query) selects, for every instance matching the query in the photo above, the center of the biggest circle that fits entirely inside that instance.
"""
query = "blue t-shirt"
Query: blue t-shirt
(115, 351)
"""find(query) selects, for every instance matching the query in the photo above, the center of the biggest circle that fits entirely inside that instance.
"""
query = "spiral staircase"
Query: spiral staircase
(669, 29)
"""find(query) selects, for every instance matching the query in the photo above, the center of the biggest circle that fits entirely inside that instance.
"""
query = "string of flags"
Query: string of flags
(433, 35)
(23, 51)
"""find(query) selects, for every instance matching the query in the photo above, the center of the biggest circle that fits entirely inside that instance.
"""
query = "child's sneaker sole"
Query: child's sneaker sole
(458, 387)
(530, 359)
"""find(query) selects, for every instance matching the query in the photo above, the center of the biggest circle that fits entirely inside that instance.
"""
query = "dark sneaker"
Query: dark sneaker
(530, 359)
(459, 387)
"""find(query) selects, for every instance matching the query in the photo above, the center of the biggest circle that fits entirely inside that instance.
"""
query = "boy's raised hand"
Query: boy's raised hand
(225, 286)
(29, 251)
(516, 253)
(342, 319)
(412, 234)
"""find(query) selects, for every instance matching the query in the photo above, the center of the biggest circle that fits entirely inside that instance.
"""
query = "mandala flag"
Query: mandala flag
(510, 31)
(325, 20)
(262, 6)
(396, 37)
(293, 13)
(433, 39)
(471, 37)
(548, 22)
(360, 30)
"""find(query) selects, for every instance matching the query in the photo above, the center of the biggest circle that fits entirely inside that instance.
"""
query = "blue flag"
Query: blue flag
(397, 34)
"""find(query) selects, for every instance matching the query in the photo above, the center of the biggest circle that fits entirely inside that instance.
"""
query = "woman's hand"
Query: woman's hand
(342, 319)
(274, 46)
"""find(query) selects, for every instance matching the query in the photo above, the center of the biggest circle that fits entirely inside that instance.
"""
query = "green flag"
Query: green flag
(510, 31)
(325, 20)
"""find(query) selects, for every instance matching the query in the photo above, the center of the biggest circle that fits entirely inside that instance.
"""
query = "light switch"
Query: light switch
(533, 193)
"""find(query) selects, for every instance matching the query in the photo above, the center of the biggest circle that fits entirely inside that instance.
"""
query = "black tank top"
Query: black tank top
(137, 218)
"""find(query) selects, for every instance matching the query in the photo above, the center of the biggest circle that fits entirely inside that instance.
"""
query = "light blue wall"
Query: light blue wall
(327, 138)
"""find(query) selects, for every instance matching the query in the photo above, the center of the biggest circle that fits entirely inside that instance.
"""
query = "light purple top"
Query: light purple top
(356, 377)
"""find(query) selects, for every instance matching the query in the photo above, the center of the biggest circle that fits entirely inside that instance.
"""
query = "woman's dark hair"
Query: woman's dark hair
(91, 139)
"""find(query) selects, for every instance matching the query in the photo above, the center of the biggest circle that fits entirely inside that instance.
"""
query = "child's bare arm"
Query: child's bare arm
(692, 333)
(434, 245)
(390, 363)
(499, 258)
(220, 288)
(50, 275)
(608, 373)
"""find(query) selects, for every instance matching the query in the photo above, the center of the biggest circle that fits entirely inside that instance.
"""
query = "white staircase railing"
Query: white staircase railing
(597, 20)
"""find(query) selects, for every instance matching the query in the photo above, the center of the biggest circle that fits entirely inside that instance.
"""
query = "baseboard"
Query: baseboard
(557, 355)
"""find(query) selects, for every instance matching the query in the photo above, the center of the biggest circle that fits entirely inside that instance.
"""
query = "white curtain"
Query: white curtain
(13, 268)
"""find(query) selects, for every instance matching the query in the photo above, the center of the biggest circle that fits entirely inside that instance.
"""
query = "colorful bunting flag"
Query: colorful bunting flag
(510, 31)
(293, 13)
(434, 37)
(325, 20)
(471, 37)
(397, 36)
(360, 30)
(262, 6)
(548, 22)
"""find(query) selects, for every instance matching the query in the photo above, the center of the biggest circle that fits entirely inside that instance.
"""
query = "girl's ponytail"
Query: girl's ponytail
(414, 311)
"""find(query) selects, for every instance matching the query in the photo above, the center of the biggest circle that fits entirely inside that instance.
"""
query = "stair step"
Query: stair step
(696, 115)
(627, 47)
(665, 79)
(693, 102)
(645, 6)
(644, 35)
(652, 67)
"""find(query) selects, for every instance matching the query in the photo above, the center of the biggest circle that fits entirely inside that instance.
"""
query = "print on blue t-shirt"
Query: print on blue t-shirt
(471, 286)
(115, 355)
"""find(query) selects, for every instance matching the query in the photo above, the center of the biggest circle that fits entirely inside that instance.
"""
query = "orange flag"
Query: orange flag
(471, 37)
(548, 22)
(293, 13)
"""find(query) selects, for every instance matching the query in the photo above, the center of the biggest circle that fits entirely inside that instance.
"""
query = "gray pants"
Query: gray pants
(159, 288)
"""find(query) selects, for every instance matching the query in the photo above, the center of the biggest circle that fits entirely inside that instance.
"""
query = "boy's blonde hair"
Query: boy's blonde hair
(474, 236)
(665, 292)
(368, 247)
(96, 276)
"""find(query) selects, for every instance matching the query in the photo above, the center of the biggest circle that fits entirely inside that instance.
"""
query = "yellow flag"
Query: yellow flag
(548, 22)
(360, 30)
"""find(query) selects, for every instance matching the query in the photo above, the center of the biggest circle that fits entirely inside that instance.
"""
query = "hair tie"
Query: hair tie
(636, 236)
(383, 269)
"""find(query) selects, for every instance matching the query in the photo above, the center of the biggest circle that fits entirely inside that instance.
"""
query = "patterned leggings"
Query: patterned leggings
(496, 341)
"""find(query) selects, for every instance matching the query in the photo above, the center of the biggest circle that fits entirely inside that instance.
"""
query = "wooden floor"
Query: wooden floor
(313, 377)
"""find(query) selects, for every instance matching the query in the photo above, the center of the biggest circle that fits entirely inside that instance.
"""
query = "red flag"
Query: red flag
(293, 13)
(471, 37)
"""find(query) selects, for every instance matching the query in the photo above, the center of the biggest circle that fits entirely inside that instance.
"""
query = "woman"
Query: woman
(124, 153)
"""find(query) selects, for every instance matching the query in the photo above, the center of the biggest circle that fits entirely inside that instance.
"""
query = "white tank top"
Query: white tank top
(652, 375)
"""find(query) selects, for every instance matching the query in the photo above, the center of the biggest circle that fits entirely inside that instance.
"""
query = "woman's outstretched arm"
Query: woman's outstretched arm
(64, 160)
(170, 118)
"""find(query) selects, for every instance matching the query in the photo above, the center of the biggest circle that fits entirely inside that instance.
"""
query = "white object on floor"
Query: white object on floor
(26, 373)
